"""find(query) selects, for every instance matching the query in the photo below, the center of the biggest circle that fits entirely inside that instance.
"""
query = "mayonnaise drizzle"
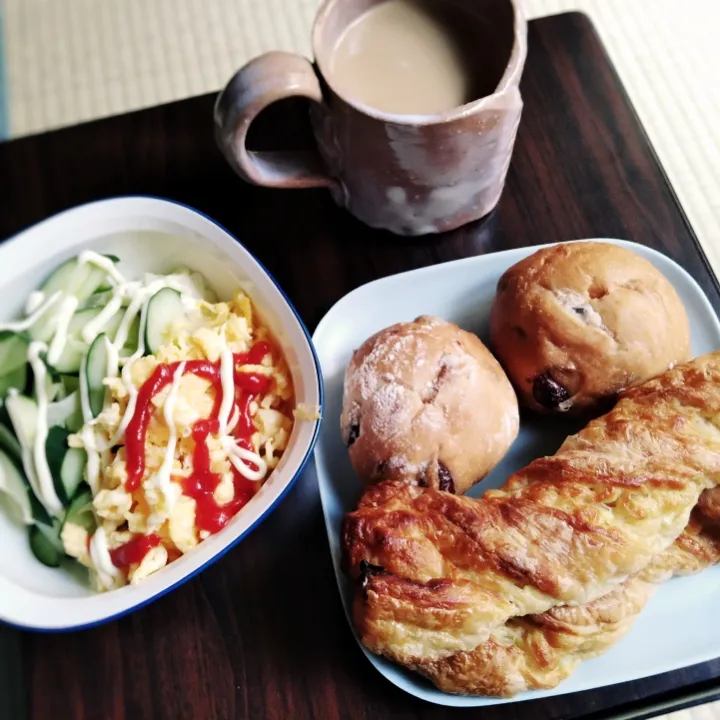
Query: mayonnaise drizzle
(127, 379)
(143, 294)
(48, 497)
(104, 263)
(227, 381)
(30, 320)
(100, 556)
(234, 419)
(140, 294)
(68, 306)
(239, 457)
(161, 480)
(93, 328)
(137, 294)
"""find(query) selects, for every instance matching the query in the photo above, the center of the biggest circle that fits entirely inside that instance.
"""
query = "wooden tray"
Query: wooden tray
(261, 634)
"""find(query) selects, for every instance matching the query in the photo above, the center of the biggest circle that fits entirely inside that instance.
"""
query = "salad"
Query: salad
(139, 416)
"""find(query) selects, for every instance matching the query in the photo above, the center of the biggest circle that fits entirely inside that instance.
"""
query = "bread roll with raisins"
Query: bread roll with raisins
(426, 400)
(576, 323)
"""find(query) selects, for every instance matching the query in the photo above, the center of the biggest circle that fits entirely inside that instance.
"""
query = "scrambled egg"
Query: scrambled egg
(154, 507)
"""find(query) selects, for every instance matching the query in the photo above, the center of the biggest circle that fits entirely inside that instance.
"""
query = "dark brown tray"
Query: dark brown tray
(261, 634)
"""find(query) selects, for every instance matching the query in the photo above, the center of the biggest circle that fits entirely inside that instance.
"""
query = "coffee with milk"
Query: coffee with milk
(412, 57)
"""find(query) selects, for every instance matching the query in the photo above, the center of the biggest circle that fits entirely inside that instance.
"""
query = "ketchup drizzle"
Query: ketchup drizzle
(136, 432)
(133, 551)
(202, 483)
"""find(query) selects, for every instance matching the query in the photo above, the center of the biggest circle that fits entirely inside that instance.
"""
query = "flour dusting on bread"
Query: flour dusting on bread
(410, 404)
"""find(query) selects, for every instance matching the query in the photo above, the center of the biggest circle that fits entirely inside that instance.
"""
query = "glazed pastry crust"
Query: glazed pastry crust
(594, 318)
(437, 574)
(427, 401)
(537, 652)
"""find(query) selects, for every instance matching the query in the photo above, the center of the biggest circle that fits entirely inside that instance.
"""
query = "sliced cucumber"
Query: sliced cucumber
(98, 299)
(5, 416)
(66, 277)
(40, 514)
(66, 413)
(96, 366)
(13, 351)
(133, 338)
(67, 465)
(75, 347)
(70, 384)
(11, 446)
(56, 448)
(45, 541)
(110, 327)
(23, 413)
(71, 356)
(52, 387)
(46, 545)
(71, 278)
(163, 309)
(80, 511)
(72, 471)
(13, 361)
(102, 297)
(75, 278)
(15, 488)
(61, 385)
(9, 443)
(14, 379)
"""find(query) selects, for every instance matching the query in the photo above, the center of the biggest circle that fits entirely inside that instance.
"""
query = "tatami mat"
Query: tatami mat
(701, 712)
(4, 131)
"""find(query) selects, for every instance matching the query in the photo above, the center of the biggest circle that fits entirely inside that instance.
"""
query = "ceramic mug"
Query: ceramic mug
(410, 174)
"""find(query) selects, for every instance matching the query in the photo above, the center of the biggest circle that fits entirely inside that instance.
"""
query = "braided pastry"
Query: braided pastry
(438, 575)
(539, 651)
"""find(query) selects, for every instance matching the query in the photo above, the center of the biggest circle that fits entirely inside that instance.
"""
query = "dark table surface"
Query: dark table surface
(261, 634)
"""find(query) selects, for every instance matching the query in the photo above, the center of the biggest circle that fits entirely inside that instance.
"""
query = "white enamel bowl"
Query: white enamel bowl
(152, 235)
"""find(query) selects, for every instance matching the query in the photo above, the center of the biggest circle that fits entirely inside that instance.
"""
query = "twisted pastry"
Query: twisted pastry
(539, 651)
(438, 574)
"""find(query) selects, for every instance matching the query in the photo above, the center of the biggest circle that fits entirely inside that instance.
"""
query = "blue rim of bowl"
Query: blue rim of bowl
(291, 482)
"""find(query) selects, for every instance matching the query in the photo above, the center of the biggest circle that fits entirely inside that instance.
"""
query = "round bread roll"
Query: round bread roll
(576, 323)
(426, 401)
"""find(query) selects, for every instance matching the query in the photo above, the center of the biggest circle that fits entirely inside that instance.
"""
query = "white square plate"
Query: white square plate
(678, 627)
(148, 235)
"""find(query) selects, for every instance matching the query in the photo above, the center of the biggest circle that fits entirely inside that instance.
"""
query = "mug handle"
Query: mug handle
(263, 81)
